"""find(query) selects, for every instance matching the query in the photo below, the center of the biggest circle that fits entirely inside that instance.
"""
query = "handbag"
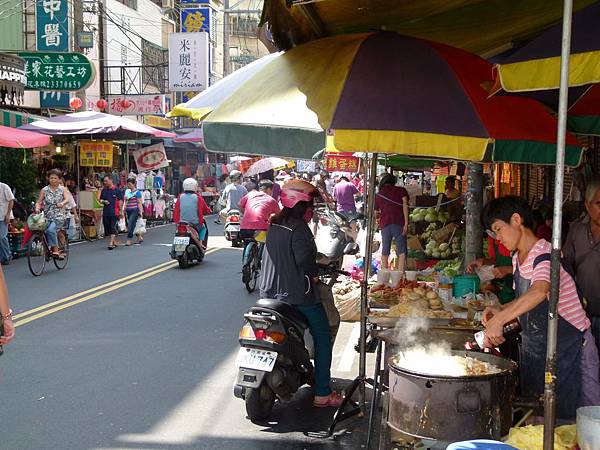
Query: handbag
(121, 225)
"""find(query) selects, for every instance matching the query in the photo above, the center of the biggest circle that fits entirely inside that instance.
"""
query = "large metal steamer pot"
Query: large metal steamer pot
(450, 409)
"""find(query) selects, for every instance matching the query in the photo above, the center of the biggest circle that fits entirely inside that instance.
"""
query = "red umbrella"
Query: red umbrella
(15, 138)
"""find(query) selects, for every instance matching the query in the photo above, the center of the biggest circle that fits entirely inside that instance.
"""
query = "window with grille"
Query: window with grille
(155, 65)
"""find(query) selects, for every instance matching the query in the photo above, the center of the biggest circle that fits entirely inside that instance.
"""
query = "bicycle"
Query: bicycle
(38, 251)
(251, 259)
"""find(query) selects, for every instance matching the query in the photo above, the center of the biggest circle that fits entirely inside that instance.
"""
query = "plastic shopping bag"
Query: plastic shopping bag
(140, 227)
(121, 225)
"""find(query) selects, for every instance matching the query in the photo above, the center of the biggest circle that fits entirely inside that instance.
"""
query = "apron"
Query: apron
(505, 293)
(533, 354)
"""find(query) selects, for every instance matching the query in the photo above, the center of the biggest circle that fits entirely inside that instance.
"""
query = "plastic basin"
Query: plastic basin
(588, 427)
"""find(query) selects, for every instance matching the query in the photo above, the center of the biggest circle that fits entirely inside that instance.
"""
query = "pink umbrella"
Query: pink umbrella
(95, 125)
(15, 138)
(265, 164)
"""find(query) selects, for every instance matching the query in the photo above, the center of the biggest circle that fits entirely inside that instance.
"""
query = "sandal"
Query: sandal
(57, 255)
(334, 400)
(111, 247)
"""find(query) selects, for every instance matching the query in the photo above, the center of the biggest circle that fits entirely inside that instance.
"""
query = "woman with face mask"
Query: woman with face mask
(293, 254)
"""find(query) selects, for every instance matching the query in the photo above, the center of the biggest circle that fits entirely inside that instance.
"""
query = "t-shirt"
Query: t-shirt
(258, 207)
(131, 199)
(233, 194)
(344, 193)
(569, 305)
(6, 196)
(389, 201)
(113, 196)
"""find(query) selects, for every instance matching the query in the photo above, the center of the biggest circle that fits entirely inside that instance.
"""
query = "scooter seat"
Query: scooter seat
(285, 310)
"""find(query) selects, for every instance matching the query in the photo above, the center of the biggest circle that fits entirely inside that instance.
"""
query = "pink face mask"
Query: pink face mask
(308, 215)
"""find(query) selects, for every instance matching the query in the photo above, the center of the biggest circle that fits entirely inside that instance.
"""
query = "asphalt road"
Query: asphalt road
(123, 350)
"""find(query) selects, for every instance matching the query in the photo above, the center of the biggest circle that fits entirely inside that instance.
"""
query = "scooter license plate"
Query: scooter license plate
(180, 243)
(252, 358)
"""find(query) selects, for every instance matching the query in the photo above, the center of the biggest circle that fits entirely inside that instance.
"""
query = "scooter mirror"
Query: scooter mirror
(351, 248)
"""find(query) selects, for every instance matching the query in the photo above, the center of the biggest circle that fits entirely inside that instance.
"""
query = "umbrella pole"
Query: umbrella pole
(78, 190)
(550, 375)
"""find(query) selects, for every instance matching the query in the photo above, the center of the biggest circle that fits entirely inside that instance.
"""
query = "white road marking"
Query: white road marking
(349, 354)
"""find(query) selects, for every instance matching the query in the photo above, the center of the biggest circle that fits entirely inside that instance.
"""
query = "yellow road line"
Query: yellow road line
(59, 305)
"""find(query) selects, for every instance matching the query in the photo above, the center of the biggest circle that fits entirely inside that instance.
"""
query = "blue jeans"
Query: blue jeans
(5, 252)
(389, 232)
(319, 329)
(132, 217)
(596, 329)
(51, 234)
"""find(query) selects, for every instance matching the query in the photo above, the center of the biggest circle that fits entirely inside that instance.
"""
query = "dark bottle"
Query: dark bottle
(511, 328)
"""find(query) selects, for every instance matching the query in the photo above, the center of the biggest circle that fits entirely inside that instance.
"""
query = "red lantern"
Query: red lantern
(102, 104)
(75, 103)
(125, 103)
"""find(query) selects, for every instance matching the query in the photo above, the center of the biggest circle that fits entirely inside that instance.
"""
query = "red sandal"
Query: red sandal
(334, 400)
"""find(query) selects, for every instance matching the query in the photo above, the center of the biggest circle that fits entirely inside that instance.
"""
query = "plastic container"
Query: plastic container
(396, 277)
(463, 284)
(445, 292)
(588, 427)
(383, 276)
(411, 275)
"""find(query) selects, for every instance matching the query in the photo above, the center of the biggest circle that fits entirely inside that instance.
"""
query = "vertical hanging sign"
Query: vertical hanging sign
(188, 61)
(52, 34)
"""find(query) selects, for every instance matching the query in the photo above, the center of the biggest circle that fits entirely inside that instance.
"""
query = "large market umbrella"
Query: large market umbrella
(15, 138)
(202, 104)
(382, 92)
(266, 164)
(94, 125)
(193, 136)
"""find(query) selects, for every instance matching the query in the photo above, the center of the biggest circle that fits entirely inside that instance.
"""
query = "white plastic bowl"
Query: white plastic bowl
(588, 427)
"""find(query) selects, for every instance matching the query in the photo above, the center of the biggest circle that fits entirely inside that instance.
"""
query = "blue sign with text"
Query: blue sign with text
(194, 20)
(52, 29)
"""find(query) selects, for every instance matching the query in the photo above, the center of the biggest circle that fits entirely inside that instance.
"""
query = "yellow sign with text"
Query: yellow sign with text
(158, 122)
(95, 153)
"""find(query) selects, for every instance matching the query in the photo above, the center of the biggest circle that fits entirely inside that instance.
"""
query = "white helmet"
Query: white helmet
(235, 175)
(190, 184)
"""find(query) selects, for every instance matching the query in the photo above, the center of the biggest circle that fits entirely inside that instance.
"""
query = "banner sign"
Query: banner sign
(194, 20)
(188, 61)
(137, 105)
(151, 158)
(158, 122)
(339, 163)
(57, 71)
(52, 31)
(95, 153)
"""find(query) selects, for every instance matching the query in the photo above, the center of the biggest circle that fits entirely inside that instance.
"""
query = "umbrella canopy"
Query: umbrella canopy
(95, 125)
(386, 93)
(264, 165)
(239, 158)
(536, 66)
(15, 138)
(193, 136)
(202, 104)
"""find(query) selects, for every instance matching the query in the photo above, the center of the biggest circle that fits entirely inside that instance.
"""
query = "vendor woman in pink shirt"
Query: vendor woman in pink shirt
(511, 219)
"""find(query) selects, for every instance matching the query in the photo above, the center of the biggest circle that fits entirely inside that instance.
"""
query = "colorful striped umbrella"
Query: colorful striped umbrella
(382, 92)
(536, 65)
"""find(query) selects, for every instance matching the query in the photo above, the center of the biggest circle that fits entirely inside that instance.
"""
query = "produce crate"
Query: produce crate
(16, 243)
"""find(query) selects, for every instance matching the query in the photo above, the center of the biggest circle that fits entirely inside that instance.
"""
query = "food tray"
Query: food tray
(391, 322)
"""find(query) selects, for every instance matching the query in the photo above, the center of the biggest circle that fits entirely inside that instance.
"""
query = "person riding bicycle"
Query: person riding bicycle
(291, 276)
(191, 207)
(257, 207)
(52, 200)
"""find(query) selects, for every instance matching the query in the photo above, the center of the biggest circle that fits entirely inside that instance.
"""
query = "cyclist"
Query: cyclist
(52, 200)
(257, 207)
(191, 207)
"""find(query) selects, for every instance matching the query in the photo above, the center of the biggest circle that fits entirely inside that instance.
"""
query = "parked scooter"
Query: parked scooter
(274, 361)
(232, 227)
(187, 247)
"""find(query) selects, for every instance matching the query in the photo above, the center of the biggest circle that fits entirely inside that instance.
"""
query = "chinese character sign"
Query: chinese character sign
(196, 19)
(151, 157)
(137, 105)
(188, 61)
(95, 153)
(57, 71)
(52, 32)
(341, 163)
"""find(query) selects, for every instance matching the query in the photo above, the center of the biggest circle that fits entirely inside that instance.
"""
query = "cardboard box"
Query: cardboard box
(90, 231)
(414, 243)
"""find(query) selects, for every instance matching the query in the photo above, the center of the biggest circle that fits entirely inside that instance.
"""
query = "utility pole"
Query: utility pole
(474, 204)
(78, 27)
(101, 52)
(226, 59)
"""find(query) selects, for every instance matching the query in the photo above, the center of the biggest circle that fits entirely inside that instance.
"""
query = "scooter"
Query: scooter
(334, 237)
(187, 247)
(232, 227)
(273, 360)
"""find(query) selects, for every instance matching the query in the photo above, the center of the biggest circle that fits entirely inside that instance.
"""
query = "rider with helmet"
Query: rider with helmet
(257, 207)
(292, 256)
(191, 207)
(234, 192)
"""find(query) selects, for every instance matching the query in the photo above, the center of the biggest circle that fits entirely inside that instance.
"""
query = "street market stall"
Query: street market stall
(298, 107)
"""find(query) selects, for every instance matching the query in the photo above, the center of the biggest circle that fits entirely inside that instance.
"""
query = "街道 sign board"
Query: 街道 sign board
(57, 71)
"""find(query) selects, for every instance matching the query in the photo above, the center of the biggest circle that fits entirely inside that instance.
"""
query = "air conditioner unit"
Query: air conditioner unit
(168, 4)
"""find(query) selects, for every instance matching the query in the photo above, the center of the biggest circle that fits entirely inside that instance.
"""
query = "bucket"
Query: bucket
(463, 284)
(588, 427)
(411, 275)
(395, 277)
(383, 276)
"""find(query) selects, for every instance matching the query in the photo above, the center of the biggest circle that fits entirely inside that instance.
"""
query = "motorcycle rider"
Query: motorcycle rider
(257, 207)
(233, 193)
(292, 256)
(191, 207)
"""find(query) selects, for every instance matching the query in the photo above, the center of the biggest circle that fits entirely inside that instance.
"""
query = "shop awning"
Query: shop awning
(15, 119)
(483, 27)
